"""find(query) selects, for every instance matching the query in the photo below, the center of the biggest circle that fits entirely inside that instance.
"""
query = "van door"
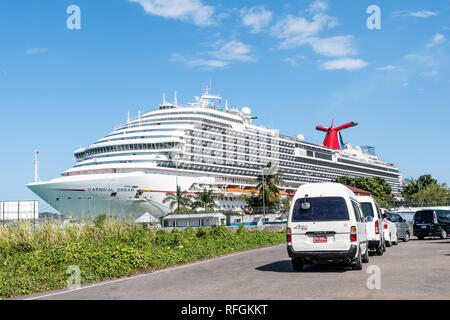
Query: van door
(369, 212)
(360, 226)
(320, 224)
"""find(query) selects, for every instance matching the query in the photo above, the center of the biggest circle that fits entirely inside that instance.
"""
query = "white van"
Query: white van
(389, 228)
(374, 223)
(325, 224)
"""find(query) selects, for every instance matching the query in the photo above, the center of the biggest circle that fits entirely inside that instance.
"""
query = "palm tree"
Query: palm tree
(205, 200)
(180, 199)
(267, 184)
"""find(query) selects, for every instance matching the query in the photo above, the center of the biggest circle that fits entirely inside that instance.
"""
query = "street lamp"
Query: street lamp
(268, 165)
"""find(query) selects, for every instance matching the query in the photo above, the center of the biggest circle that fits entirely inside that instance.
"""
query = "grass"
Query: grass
(37, 261)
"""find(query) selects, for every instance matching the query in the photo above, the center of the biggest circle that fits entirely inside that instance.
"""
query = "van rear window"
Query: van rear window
(425, 216)
(367, 209)
(321, 209)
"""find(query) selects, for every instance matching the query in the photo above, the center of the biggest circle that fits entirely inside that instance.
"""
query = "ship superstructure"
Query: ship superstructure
(199, 146)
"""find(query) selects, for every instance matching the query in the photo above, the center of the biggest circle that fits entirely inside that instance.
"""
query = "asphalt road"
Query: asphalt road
(412, 270)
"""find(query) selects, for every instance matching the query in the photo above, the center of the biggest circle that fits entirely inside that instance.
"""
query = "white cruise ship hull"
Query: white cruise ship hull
(112, 194)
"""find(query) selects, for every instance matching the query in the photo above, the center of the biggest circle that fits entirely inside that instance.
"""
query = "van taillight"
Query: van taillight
(288, 235)
(377, 228)
(385, 226)
(353, 236)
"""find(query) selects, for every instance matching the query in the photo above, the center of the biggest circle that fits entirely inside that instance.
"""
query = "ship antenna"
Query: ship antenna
(36, 166)
(175, 100)
(164, 98)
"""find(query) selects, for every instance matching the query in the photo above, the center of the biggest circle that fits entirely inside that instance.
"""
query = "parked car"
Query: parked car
(431, 223)
(402, 227)
(325, 224)
(389, 229)
(372, 213)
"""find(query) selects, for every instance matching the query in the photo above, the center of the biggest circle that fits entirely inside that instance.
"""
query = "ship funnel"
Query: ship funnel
(333, 139)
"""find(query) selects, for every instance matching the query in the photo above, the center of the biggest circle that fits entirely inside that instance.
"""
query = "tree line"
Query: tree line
(267, 197)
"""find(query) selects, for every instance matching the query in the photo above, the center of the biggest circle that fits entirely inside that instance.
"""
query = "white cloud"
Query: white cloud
(387, 68)
(204, 64)
(344, 64)
(186, 10)
(223, 55)
(333, 46)
(439, 38)
(420, 59)
(256, 18)
(416, 14)
(317, 6)
(431, 73)
(296, 31)
(294, 61)
(232, 50)
(36, 50)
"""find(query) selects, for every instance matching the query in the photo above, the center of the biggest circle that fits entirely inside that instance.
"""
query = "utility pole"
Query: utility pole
(269, 164)
(36, 166)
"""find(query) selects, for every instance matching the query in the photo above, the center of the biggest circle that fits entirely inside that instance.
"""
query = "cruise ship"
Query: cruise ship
(202, 145)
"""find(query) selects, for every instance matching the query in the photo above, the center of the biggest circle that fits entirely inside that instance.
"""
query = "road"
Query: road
(413, 270)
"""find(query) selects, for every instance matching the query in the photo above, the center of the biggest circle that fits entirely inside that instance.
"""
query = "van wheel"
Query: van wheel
(388, 244)
(357, 265)
(365, 257)
(443, 234)
(406, 239)
(380, 249)
(297, 264)
(421, 237)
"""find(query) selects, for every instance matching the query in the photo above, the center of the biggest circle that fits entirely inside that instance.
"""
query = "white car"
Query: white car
(389, 229)
(374, 223)
(325, 223)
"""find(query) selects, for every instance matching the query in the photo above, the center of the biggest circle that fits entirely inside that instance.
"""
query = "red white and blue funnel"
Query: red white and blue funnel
(333, 139)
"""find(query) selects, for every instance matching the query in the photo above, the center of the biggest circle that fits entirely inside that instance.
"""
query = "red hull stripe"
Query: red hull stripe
(168, 191)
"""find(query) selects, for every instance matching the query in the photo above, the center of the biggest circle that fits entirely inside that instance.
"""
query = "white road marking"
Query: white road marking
(152, 273)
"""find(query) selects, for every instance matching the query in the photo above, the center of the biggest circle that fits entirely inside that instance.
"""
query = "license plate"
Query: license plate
(320, 239)
(423, 227)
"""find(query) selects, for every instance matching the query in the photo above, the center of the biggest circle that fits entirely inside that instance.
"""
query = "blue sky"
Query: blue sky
(297, 64)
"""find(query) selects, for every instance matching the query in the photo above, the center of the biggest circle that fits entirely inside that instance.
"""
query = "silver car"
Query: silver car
(402, 227)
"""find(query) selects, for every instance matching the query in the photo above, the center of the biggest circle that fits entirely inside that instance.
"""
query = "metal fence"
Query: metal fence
(19, 210)
(415, 203)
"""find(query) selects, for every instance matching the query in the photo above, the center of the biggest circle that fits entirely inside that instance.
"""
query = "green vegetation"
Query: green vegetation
(412, 186)
(379, 189)
(37, 261)
(425, 190)
(266, 185)
(185, 202)
(182, 200)
(205, 201)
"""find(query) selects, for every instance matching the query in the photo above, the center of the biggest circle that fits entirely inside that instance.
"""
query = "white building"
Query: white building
(257, 219)
(194, 220)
